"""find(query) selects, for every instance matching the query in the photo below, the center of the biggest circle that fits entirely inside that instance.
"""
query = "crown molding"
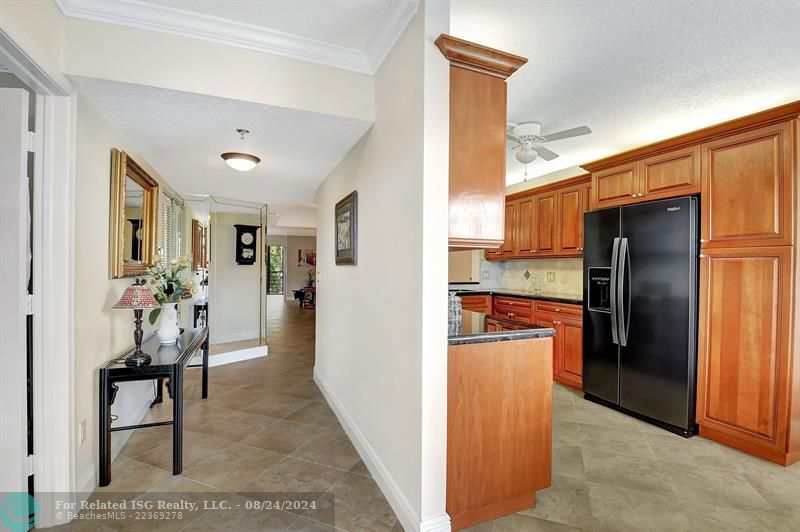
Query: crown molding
(154, 17)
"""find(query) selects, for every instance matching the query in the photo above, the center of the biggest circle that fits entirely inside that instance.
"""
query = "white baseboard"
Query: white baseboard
(87, 482)
(397, 500)
(437, 524)
(233, 337)
(237, 356)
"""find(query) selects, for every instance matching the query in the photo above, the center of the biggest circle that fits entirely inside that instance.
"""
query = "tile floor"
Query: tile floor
(267, 428)
(613, 473)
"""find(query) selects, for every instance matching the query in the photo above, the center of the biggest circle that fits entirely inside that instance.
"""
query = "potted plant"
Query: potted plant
(169, 289)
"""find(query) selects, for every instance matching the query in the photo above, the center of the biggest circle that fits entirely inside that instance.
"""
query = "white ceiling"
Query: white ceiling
(350, 34)
(636, 71)
(183, 134)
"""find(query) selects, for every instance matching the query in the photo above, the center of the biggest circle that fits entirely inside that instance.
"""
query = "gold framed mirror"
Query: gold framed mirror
(133, 222)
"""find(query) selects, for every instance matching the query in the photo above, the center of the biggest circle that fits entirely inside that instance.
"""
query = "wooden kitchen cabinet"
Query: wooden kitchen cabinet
(570, 207)
(525, 233)
(545, 223)
(478, 303)
(614, 186)
(477, 141)
(567, 343)
(671, 174)
(749, 188)
(745, 356)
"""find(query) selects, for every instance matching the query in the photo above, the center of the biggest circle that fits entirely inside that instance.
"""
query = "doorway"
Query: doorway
(276, 270)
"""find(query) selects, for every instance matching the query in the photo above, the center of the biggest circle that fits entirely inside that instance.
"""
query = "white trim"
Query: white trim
(436, 524)
(402, 507)
(86, 484)
(237, 356)
(233, 337)
(185, 23)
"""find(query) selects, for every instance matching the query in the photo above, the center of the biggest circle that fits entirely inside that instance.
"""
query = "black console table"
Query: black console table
(169, 362)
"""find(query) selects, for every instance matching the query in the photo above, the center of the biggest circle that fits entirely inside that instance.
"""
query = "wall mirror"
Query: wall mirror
(133, 224)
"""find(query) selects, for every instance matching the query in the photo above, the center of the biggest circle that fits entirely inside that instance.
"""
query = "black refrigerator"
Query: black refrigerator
(640, 310)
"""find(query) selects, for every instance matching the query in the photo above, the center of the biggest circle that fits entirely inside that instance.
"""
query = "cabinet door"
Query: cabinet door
(744, 359)
(668, 175)
(507, 249)
(547, 320)
(569, 226)
(525, 237)
(545, 227)
(571, 363)
(748, 186)
(615, 186)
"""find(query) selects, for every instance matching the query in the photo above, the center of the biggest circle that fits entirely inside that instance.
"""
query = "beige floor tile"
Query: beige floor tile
(130, 476)
(566, 501)
(565, 432)
(523, 523)
(617, 509)
(307, 525)
(692, 451)
(317, 414)
(144, 440)
(361, 469)
(283, 437)
(231, 425)
(233, 467)
(358, 505)
(614, 439)
(239, 518)
(275, 405)
(625, 471)
(331, 448)
(716, 486)
(291, 475)
(568, 461)
(712, 517)
(196, 448)
(305, 390)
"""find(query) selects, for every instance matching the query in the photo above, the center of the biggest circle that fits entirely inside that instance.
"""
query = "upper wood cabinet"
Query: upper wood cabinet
(477, 141)
(748, 188)
(676, 173)
(745, 356)
(545, 222)
(571, 206)
(615, 186)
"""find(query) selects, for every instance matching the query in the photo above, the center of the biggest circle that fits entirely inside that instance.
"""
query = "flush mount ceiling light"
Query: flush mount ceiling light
(240, 161)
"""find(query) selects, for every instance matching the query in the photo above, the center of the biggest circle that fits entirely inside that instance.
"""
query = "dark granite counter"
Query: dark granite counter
(472, 330)
(541, 296)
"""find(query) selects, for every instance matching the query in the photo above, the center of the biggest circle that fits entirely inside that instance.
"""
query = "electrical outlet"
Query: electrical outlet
(551, 277)
(82, 432)
(484, 275)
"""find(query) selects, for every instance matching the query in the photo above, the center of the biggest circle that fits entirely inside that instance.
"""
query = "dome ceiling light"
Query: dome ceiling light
(240, 161)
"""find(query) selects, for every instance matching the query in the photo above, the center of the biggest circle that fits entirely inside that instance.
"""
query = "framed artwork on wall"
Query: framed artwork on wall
(346, 225)
(306, 257)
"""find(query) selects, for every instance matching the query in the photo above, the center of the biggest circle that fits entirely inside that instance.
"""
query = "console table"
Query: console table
(169, 362)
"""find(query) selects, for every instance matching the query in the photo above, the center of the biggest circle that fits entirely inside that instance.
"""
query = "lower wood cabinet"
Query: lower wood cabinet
(477, 303)
(567, 347)
(748, 394)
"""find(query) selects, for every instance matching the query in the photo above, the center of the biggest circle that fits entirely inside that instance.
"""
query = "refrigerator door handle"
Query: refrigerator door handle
(614, 265)
(624, 312)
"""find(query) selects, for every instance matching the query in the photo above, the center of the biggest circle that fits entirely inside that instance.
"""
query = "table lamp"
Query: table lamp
(137, 298)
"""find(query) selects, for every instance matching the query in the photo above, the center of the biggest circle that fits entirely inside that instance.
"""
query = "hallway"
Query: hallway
(265, 433)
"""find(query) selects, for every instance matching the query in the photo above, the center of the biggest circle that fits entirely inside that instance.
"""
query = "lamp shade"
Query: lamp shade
(137, 297)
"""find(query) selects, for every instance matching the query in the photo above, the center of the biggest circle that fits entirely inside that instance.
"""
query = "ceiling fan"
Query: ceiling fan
(529, 140)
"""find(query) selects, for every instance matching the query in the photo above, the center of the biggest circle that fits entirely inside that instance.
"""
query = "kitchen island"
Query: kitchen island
(499, 423)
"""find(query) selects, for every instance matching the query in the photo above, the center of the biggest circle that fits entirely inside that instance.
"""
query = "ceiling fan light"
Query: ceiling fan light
(240, 161)
(525, 156)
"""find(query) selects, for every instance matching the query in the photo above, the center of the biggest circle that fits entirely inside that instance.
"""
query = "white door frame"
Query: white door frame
(53, 275)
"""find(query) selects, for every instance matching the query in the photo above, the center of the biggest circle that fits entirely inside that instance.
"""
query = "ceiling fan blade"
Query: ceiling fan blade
(509, 136)
(567, 133)
(544, 153)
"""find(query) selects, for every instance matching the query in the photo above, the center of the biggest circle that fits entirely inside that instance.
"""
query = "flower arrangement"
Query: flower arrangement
(167, 284)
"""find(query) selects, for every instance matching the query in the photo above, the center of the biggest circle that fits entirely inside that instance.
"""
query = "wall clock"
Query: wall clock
(245, 243)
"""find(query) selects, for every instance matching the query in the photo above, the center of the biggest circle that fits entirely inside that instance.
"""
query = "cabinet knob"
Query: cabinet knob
(633, 195)
(556, 323)
(558, 310)
(702, 256)
(703, 240)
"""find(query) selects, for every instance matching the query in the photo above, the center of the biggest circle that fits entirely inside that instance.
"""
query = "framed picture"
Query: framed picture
(306, 257)
(346, 224)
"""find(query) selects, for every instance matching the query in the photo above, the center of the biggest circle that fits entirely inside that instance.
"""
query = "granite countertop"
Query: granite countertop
(568, 299)
(472, 330)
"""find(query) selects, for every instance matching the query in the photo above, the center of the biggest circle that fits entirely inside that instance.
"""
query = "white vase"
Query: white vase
(168, 329)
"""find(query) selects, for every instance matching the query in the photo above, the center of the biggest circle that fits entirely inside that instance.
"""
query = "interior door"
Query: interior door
(659, 332)
(14, 287)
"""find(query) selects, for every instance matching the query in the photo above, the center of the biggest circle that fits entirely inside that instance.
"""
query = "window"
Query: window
(275, 270)
(171, 234)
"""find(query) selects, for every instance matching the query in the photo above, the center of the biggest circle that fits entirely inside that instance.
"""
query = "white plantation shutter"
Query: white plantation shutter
(171, 223)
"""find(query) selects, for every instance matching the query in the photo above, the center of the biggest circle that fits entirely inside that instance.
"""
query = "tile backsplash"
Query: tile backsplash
(567, 275)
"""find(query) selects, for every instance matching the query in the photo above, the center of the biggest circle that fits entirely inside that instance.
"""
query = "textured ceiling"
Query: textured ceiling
(636, 71)
(182, 136)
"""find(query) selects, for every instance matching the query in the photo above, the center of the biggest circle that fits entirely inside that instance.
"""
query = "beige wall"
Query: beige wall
(393, 362)
(233, 288)
(100, 332)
